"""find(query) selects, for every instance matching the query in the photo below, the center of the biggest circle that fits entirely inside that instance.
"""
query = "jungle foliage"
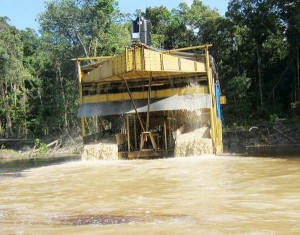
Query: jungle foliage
(255, 46)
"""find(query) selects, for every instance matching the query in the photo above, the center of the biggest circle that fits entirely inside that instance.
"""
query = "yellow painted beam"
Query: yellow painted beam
(223, 99)
(143, 60)
(215, 123)
(213, 104)
(81, 96)
(92, 58)
(188, 48)
(144, 95)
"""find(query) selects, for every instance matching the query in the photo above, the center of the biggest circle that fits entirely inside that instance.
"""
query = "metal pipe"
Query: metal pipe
(135, 137)
(128, 133)
(212, 108)
(80, 96)
(149, 98)
(165, 134)
(130, 96)
(187, 48)
(92, 58)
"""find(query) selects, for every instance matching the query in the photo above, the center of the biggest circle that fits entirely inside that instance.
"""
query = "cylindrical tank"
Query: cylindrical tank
(141, 31)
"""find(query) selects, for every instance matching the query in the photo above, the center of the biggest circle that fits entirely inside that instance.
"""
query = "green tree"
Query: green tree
(239, 95)
(260, 20)
(76, 28)
(160, 18)
(13, 76)
(289, 12)
(82, 23)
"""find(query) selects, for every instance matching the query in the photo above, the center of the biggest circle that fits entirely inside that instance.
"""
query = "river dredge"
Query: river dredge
(146, 103)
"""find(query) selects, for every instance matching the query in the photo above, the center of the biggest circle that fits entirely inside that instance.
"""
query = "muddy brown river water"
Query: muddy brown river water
(198, 195)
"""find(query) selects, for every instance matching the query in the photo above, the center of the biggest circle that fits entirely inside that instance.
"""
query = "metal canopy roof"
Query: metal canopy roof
(185, 102)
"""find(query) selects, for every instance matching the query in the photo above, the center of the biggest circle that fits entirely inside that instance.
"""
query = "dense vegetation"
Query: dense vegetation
(255, 45)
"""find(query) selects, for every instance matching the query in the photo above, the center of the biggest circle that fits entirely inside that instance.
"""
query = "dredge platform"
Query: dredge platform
(151, 103)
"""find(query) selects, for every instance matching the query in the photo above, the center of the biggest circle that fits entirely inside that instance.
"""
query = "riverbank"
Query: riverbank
(49, 147)
(283, 133)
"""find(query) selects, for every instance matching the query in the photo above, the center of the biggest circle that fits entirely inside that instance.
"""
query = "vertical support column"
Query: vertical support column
(149, 99)
(216, 126)
(80, 96)
(95, 125)
(130, 96)
(297, 73)
(135, 137)
(210, 88)
(165, 134)
(143, 59)
(126, 58)
(128, 132)
(169, 128)
(134, 58)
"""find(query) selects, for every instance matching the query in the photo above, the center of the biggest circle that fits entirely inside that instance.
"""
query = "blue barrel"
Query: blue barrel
(218, 93)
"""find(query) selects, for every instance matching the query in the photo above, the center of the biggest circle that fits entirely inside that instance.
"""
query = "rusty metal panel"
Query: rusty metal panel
(138, 59)
(201, 67)
(101, 72)
(170, 63)
(129, 59)
(119, 64)
(187, 65)
(152, 60)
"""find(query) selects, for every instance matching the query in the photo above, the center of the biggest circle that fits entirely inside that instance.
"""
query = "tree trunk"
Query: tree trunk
(297, 71)
(87, 54)
(259, 72)
(8, 132)
(63, 95)
(24, 102)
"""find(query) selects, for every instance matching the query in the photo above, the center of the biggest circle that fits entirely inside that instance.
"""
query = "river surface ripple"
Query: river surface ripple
(197, 195)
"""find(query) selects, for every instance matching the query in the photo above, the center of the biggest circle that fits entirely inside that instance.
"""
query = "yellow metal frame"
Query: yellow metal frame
(223, 99)
(80, 95)
(215, 123)
(92, 58)
(188, 48)
(141, 62)
(143, 95)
